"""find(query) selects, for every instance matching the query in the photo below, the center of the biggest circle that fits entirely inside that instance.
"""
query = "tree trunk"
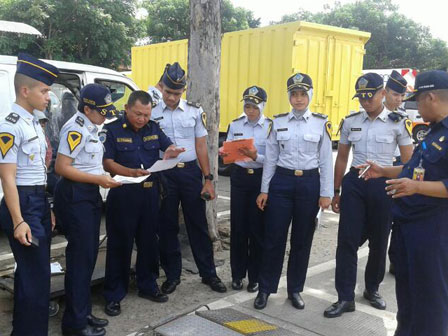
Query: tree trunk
(204, 59)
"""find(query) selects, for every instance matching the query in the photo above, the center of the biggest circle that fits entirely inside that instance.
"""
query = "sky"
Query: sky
(430, 13)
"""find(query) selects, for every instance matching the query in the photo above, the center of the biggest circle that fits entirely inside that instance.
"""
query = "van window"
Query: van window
(120, 92)
(5, 104)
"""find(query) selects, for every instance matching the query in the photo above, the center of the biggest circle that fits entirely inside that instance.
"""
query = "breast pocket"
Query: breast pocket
(310, 142)
(355, 139)
(187, 129)
(93, 153)
(284, 140)
(152, 145)
(126, 153)
(31, 152)
(385, 144)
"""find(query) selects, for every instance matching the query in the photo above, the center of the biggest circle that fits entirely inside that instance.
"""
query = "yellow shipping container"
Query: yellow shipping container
(266, 57)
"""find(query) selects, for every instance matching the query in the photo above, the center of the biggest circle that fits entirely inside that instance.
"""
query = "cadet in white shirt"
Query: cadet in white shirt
(364, 206)
(246, 219)
(297, 181)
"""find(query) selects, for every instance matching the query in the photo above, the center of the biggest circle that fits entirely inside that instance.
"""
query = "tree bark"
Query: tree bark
(204, 58)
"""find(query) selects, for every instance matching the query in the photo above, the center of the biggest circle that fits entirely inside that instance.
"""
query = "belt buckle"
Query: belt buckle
(250, 171)
(147, 184)
(181, 165)
(298, 172)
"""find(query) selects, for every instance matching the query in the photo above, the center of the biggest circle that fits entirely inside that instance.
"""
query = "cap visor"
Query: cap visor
(298, 87)
(411, 97)
(251, 101)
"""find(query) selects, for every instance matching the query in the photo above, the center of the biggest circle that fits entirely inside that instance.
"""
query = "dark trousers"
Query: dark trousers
(365, 214)
(246, 224)
(293, 198)
(184, 186)
(32, 276)
(131, 215)
(78, 211)
(420, 256)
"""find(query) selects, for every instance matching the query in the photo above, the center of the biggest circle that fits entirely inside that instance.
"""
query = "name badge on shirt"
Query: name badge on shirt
(419, 173)
(238, 134)
(282, 129)
(355, 129)
(128, 140)
(150, 137)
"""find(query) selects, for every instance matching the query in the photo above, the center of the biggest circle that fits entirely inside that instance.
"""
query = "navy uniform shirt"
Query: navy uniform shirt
(435, 162)
(22, 141)
(79, 141)
(241, 129)
(300, 143)
(374, 140)
(133, 149)
(182, 125)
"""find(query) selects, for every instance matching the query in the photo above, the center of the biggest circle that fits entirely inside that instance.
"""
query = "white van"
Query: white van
(65, 91)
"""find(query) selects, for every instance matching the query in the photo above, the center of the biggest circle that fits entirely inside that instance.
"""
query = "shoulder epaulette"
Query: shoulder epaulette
(268, 119)
(79, 121)
(154, 104)
(281, 115)
(352, 115)
(197, 105)
(12, 117)
(320, 115)
(239, 118)
(396, 116)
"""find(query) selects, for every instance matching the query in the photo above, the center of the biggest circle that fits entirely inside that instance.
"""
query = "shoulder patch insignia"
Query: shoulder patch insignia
(340, 126)
(204, 119)
(12, 118)
(102, 135)
(408, 125)
(197, 105)
(352, 115)
(395, 116)
(320, 115)
(328, 128)
(79, 121)
(73, 139)
(6, 143)
(281, 115)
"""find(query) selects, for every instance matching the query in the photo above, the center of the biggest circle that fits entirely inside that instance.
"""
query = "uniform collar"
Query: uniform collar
(382, 116)
(91, 127)
(305, 116)
(259, 122)
(445, 122)
(182, 105)
(28, 117)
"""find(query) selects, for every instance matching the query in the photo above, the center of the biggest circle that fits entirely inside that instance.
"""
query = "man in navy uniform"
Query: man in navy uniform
(420, 231)
(185, 124)
(24, 210)
(132, 145)
(364, 206)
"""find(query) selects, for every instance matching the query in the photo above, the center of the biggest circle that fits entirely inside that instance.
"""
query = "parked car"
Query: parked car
(419, 127)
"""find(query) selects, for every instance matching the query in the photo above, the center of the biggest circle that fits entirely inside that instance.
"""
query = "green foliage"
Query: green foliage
(396, 41)
(169, 20)
(97, 32)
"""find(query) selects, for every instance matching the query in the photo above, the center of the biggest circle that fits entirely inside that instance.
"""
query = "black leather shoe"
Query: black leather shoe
(237, 284)
(87, 331)
(215, 284)
(261, 300)
(96, 322)
(339, 308)
(158, 296)
(112, 308)
(252, 287)
(296, 300)
(375, 299)
(169, 286)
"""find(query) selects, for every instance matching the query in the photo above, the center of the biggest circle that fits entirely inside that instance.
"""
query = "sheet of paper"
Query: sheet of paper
(129, 180)
(163, 165)
(56, 268)
(231, 148)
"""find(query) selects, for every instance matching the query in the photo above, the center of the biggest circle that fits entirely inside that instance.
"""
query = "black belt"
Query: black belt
(354, 170)
(249, 171)
(297, 172)
(186, 164)
(32, 188)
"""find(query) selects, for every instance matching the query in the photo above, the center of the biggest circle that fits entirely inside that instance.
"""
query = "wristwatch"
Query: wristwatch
(208, 177)
(337, 191)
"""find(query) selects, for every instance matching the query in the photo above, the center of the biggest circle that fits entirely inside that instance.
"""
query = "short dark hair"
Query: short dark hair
(140, 95)
(21, 80)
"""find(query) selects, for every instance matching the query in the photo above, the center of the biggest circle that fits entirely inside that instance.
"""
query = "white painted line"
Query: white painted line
(223, 213)
(224, 197)
(8, 256)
